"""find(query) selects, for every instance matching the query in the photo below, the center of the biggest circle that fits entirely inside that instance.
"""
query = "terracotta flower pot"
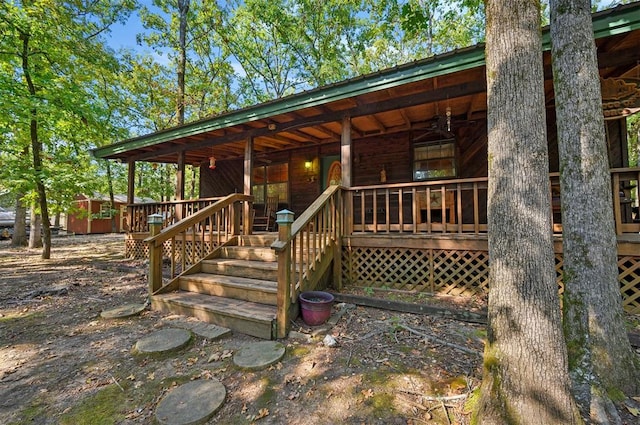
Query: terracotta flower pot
(315, 307)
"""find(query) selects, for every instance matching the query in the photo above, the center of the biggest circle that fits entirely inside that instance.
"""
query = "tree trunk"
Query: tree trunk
(36, 150)
(600, 355)
(35, 233)
(19, 237)
(183, 11)
(526, 378)
(114, 228)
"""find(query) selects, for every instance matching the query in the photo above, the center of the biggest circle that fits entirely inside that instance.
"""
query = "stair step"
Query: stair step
(266, 270)
(248, 253)
(241, 316)
(263, 240)
(239, 288)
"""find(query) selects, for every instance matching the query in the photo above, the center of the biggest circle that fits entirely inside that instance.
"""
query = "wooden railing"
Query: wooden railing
(171, 212)
(446, 206)
(305, 249)
(460, 206)
(625, 182)
(194, 237)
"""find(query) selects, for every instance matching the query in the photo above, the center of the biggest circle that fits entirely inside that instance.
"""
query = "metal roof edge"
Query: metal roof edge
(621, 19)
(446, 63)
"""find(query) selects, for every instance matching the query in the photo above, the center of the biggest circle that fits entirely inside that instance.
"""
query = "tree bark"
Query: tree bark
(112, 199)
(600, 356)
(183, 11)
(526, 378)
(36, 150)
(35, 233)
(19, 237)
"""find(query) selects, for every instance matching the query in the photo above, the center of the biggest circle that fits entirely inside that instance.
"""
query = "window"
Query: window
(271, 180)
(435, 159)
(105, 210)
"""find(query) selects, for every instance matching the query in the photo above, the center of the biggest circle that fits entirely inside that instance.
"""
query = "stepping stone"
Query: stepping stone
(163, 341)
(123, 311)
(259, 355)
(209, 331)
(205, 330)
(192, 403)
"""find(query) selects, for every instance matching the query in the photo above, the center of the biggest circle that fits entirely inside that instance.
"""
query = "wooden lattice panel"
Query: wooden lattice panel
(629, 272)
(460, 272)
(559, 261)
(393, 268)
(136, 249)
(454, 272)
(437, 271)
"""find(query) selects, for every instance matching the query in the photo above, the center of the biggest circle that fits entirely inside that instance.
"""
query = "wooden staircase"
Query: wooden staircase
(236, 289)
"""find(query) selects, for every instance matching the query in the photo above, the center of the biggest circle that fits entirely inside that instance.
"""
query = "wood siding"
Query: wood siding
(391, 152)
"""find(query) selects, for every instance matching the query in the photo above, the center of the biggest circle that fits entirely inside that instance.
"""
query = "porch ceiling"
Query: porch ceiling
(409, 97)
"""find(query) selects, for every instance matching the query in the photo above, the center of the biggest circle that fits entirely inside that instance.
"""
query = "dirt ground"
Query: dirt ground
(60, 363)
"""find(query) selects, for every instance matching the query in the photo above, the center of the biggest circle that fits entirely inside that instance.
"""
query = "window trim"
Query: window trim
(435, 142)
(266, 183)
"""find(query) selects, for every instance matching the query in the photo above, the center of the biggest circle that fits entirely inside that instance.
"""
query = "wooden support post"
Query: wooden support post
(155, 254)
(248, 170)
(345, 162)
(336, 215)
(131, 183)
(180, 213)
(283, 248)
(236, 211)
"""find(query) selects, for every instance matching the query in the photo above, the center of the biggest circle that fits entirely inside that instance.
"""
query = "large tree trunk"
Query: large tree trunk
(600, 355)
(526, 378)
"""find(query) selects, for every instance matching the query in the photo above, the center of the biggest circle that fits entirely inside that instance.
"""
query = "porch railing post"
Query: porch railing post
(336, 218)
(283, 248)
(236, 209)
(155, 254)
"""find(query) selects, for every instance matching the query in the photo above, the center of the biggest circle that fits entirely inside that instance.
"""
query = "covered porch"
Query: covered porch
(386, 175)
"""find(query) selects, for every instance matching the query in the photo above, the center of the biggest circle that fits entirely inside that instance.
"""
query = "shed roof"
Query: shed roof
(408, 96)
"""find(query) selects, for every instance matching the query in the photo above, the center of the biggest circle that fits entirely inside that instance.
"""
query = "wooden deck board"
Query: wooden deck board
(234, 281)
(226, 306)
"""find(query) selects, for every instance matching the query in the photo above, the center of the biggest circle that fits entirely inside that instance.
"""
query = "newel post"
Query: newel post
(155, 254)
(282, 247)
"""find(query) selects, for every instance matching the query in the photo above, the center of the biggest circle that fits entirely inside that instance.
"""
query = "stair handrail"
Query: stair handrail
(195, 222)
(320, 227)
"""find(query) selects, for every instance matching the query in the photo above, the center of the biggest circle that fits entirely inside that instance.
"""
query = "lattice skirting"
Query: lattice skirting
(136, 248)
(452, 272)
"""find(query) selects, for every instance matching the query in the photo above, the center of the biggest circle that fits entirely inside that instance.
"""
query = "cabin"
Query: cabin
(379, 181)
(93, 214)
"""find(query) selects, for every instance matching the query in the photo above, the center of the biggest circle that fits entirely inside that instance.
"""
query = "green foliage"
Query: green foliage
(53, 62)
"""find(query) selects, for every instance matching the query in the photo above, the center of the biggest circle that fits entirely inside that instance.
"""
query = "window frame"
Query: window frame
(435, 142)
(263, 187)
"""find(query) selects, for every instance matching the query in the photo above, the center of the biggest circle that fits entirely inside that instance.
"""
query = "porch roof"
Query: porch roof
(409, 96)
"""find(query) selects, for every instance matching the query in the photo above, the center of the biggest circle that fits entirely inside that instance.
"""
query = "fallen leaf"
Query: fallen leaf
(634, 411)
(131, 377)
(367, 393)
(262, 413)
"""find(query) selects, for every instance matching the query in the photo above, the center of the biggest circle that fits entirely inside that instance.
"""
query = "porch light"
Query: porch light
(212, 162)
(308, 167)
(449, 118)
